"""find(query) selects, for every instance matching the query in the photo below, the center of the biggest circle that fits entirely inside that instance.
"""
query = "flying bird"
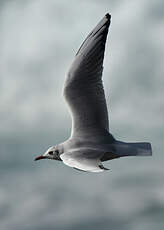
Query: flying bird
(90, 142)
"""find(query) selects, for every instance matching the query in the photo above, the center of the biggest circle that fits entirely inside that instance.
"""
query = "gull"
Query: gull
(90, 142)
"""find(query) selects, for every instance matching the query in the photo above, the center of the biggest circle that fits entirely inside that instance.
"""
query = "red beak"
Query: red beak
(39, 158)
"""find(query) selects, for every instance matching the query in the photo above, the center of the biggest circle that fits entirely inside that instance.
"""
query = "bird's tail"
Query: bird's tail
(133, 149)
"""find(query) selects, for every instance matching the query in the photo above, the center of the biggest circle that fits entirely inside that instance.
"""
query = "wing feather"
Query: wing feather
(82, 163)
(83, 89)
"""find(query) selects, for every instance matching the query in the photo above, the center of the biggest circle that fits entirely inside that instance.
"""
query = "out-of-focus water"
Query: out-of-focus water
(38, 40)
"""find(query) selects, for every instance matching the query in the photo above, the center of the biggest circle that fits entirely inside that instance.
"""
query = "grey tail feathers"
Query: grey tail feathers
(132, 149)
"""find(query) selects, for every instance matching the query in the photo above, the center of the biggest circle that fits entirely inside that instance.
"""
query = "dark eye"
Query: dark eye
(56, 151)
(51, 153)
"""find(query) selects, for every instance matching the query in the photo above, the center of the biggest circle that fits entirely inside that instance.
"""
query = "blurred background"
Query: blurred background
(38, 41)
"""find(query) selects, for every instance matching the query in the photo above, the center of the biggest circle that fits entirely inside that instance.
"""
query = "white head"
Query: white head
(52, 153)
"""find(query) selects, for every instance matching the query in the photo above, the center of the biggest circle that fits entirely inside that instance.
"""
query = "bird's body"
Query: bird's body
(91, 143)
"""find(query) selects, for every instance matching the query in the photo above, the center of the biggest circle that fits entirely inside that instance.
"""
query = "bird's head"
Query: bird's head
(52, 153)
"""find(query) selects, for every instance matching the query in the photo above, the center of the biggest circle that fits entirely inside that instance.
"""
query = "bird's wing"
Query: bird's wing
(83, 89)
(79, 161)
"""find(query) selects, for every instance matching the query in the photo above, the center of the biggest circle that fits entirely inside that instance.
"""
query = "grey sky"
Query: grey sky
(38, 40)
(38, 45)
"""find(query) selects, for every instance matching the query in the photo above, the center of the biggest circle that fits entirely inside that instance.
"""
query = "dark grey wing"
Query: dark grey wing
(83, 89)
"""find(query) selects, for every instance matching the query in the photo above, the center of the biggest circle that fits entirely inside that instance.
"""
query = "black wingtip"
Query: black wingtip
(108, 16)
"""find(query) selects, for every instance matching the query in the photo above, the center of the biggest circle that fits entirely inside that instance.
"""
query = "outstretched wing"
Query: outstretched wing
(83, 88)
